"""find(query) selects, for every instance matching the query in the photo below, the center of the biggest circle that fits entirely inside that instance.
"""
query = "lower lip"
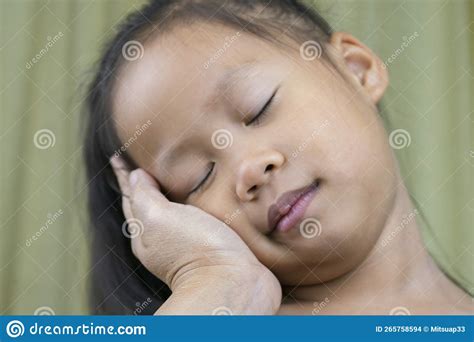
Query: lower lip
(296, 212)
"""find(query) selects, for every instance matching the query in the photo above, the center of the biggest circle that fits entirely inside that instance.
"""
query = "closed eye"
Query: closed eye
(256, 119)
(203, 182)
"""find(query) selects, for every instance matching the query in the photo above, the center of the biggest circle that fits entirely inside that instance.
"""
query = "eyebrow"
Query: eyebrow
(229, 79)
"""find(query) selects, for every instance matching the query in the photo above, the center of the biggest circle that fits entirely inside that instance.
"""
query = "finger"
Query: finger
(122, 173)
(146, 202)
(137, 247)
(145, 194)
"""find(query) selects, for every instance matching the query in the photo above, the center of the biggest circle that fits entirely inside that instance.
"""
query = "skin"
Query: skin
(321, 125)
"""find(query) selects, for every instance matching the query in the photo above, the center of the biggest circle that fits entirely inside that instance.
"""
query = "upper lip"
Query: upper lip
(284, 203)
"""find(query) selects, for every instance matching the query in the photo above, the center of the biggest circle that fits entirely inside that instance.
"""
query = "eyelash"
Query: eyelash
(200, 185)
(256, 119)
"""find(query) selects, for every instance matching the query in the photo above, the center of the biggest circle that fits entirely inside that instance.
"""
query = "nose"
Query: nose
(256, 171)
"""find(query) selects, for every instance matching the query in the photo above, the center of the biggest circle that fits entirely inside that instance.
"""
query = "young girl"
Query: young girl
(238, 164)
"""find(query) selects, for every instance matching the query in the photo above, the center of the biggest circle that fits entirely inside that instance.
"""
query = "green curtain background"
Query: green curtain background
(428, 47)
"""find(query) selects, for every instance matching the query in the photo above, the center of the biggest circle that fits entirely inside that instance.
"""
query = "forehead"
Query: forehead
(169, 84)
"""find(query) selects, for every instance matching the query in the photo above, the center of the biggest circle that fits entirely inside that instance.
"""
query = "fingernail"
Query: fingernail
(133, 178)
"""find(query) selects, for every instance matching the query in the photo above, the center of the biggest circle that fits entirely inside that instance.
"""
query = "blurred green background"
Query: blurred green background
(47, 49)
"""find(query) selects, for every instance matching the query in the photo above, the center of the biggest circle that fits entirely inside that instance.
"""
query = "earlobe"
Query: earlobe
(362, 64)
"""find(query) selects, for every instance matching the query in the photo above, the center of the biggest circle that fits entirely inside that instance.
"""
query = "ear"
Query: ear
(365, 66)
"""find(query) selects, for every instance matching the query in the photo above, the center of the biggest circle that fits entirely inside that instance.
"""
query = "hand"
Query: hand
(176, 241)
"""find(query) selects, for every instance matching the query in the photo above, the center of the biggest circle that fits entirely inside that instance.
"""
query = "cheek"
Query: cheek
(355, 149)
(350, 224)
(237, 220)
(361, 185)
(358, 192)
(218, 204)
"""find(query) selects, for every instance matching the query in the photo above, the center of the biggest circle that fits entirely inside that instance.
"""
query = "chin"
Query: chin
(296, 274)
(335, 243)
(317, 260)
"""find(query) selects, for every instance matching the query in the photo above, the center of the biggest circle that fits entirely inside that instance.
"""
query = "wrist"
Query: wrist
(242, 289)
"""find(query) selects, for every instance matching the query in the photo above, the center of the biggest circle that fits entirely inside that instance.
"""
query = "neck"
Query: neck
(398, 266)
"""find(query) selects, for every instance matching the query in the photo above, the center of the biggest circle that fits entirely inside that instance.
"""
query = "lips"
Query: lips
(286, 202)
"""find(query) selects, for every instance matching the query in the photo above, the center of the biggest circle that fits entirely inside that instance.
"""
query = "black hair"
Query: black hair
(120, 284)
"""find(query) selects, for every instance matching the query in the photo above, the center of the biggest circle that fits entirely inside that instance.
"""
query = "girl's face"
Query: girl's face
(201, 88)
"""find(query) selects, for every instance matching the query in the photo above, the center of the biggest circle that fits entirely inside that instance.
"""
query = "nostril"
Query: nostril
(252, 189)
(255, 187)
